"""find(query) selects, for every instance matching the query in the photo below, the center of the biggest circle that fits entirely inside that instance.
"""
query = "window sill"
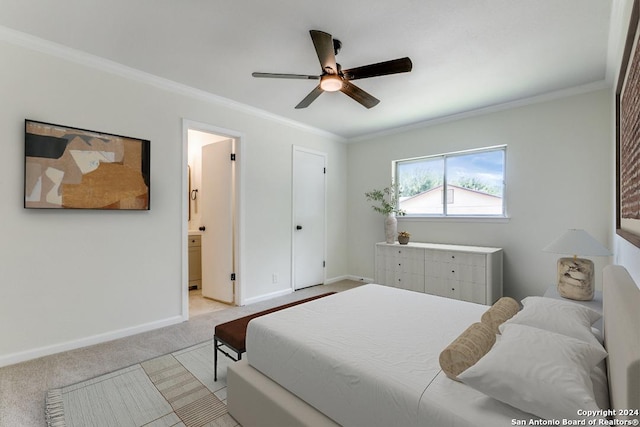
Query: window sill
(486, 219)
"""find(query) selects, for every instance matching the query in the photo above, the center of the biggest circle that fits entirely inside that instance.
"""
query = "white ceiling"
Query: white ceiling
(467, 54)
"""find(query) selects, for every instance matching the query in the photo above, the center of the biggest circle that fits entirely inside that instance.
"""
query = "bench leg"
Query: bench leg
(217, 347)
(215, 359)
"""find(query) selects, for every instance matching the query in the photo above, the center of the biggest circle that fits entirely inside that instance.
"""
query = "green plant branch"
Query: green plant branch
(387, 201)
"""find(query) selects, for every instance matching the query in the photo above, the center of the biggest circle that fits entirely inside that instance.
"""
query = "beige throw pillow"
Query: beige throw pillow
(467, 349)
(503, 309)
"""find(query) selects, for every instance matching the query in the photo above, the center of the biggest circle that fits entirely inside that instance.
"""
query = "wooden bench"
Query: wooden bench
(234, 333)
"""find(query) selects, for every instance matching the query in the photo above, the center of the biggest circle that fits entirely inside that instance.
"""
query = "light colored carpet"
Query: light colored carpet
(172, 390)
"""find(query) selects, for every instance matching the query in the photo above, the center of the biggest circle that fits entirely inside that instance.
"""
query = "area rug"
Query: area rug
(172, 390)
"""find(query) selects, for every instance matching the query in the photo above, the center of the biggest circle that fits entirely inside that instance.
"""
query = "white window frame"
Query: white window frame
(453, 217)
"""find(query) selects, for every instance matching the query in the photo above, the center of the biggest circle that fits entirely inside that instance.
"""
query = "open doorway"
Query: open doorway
(211, 230)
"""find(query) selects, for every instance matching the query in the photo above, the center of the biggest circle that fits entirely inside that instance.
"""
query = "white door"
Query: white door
(217, 204)
(309, 172)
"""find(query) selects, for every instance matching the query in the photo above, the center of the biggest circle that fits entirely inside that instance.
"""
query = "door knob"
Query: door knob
(201, 228)
(298, 227)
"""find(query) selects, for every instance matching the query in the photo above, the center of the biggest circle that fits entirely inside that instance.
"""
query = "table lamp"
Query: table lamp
(575, 275)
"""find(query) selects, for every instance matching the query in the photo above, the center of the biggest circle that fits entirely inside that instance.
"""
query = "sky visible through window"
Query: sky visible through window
(487, 166)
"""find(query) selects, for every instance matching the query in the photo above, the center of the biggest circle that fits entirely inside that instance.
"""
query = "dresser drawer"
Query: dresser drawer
(466, 273)
(409, 260)
(456, 289)
(455, 257)
(396, 252)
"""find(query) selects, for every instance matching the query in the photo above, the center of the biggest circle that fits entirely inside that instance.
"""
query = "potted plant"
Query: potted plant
(387, 200)
(403, 237)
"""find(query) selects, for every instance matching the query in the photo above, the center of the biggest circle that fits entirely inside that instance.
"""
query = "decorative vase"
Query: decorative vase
(403, 240)
(390, 228)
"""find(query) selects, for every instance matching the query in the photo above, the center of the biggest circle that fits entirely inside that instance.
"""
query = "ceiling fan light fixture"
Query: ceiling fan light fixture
(334, 79)
(331, 83)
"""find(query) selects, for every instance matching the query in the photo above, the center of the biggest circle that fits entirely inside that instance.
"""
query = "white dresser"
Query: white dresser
(469, 273)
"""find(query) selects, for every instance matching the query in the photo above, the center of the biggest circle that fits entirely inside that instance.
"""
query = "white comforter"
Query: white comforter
(370, 357)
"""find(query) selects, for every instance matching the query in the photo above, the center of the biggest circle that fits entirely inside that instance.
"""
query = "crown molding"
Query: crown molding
(564, 93)
(93, 61)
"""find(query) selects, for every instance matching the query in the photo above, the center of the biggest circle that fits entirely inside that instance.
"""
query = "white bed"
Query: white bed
(368, 357)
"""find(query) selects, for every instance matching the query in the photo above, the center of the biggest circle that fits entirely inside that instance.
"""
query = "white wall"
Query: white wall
(558, 177)
(71, 278)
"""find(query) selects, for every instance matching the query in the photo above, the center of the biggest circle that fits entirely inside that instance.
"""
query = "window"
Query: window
(469, 183)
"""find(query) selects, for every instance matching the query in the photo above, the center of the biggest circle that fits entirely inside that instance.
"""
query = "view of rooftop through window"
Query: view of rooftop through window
(455, 184)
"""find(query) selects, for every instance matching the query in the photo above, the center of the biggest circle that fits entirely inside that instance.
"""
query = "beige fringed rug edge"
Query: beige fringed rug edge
(133, 394)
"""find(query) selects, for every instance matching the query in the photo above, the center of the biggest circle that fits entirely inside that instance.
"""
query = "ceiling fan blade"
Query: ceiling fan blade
(401, 65)
(359, 95)
(310, 98)
(285, 76)
(323, 42)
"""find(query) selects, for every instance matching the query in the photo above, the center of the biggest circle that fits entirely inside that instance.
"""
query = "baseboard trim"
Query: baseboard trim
(335, 279)
(348, 277)
(266, 296)
(23, 356)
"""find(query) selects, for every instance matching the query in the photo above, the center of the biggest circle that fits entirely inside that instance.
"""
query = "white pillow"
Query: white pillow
(537, 371)
(601, 385)
(562, 317)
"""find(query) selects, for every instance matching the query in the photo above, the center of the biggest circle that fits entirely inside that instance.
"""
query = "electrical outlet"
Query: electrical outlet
(274, 278)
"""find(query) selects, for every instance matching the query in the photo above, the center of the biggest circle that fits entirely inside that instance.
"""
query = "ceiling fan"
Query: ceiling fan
(334, 78)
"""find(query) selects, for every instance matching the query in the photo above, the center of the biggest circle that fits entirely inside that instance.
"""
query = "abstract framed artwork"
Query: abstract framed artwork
(628, 137)
(70, 168)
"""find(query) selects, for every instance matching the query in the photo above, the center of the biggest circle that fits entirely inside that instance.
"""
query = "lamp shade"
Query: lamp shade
(577, 242)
